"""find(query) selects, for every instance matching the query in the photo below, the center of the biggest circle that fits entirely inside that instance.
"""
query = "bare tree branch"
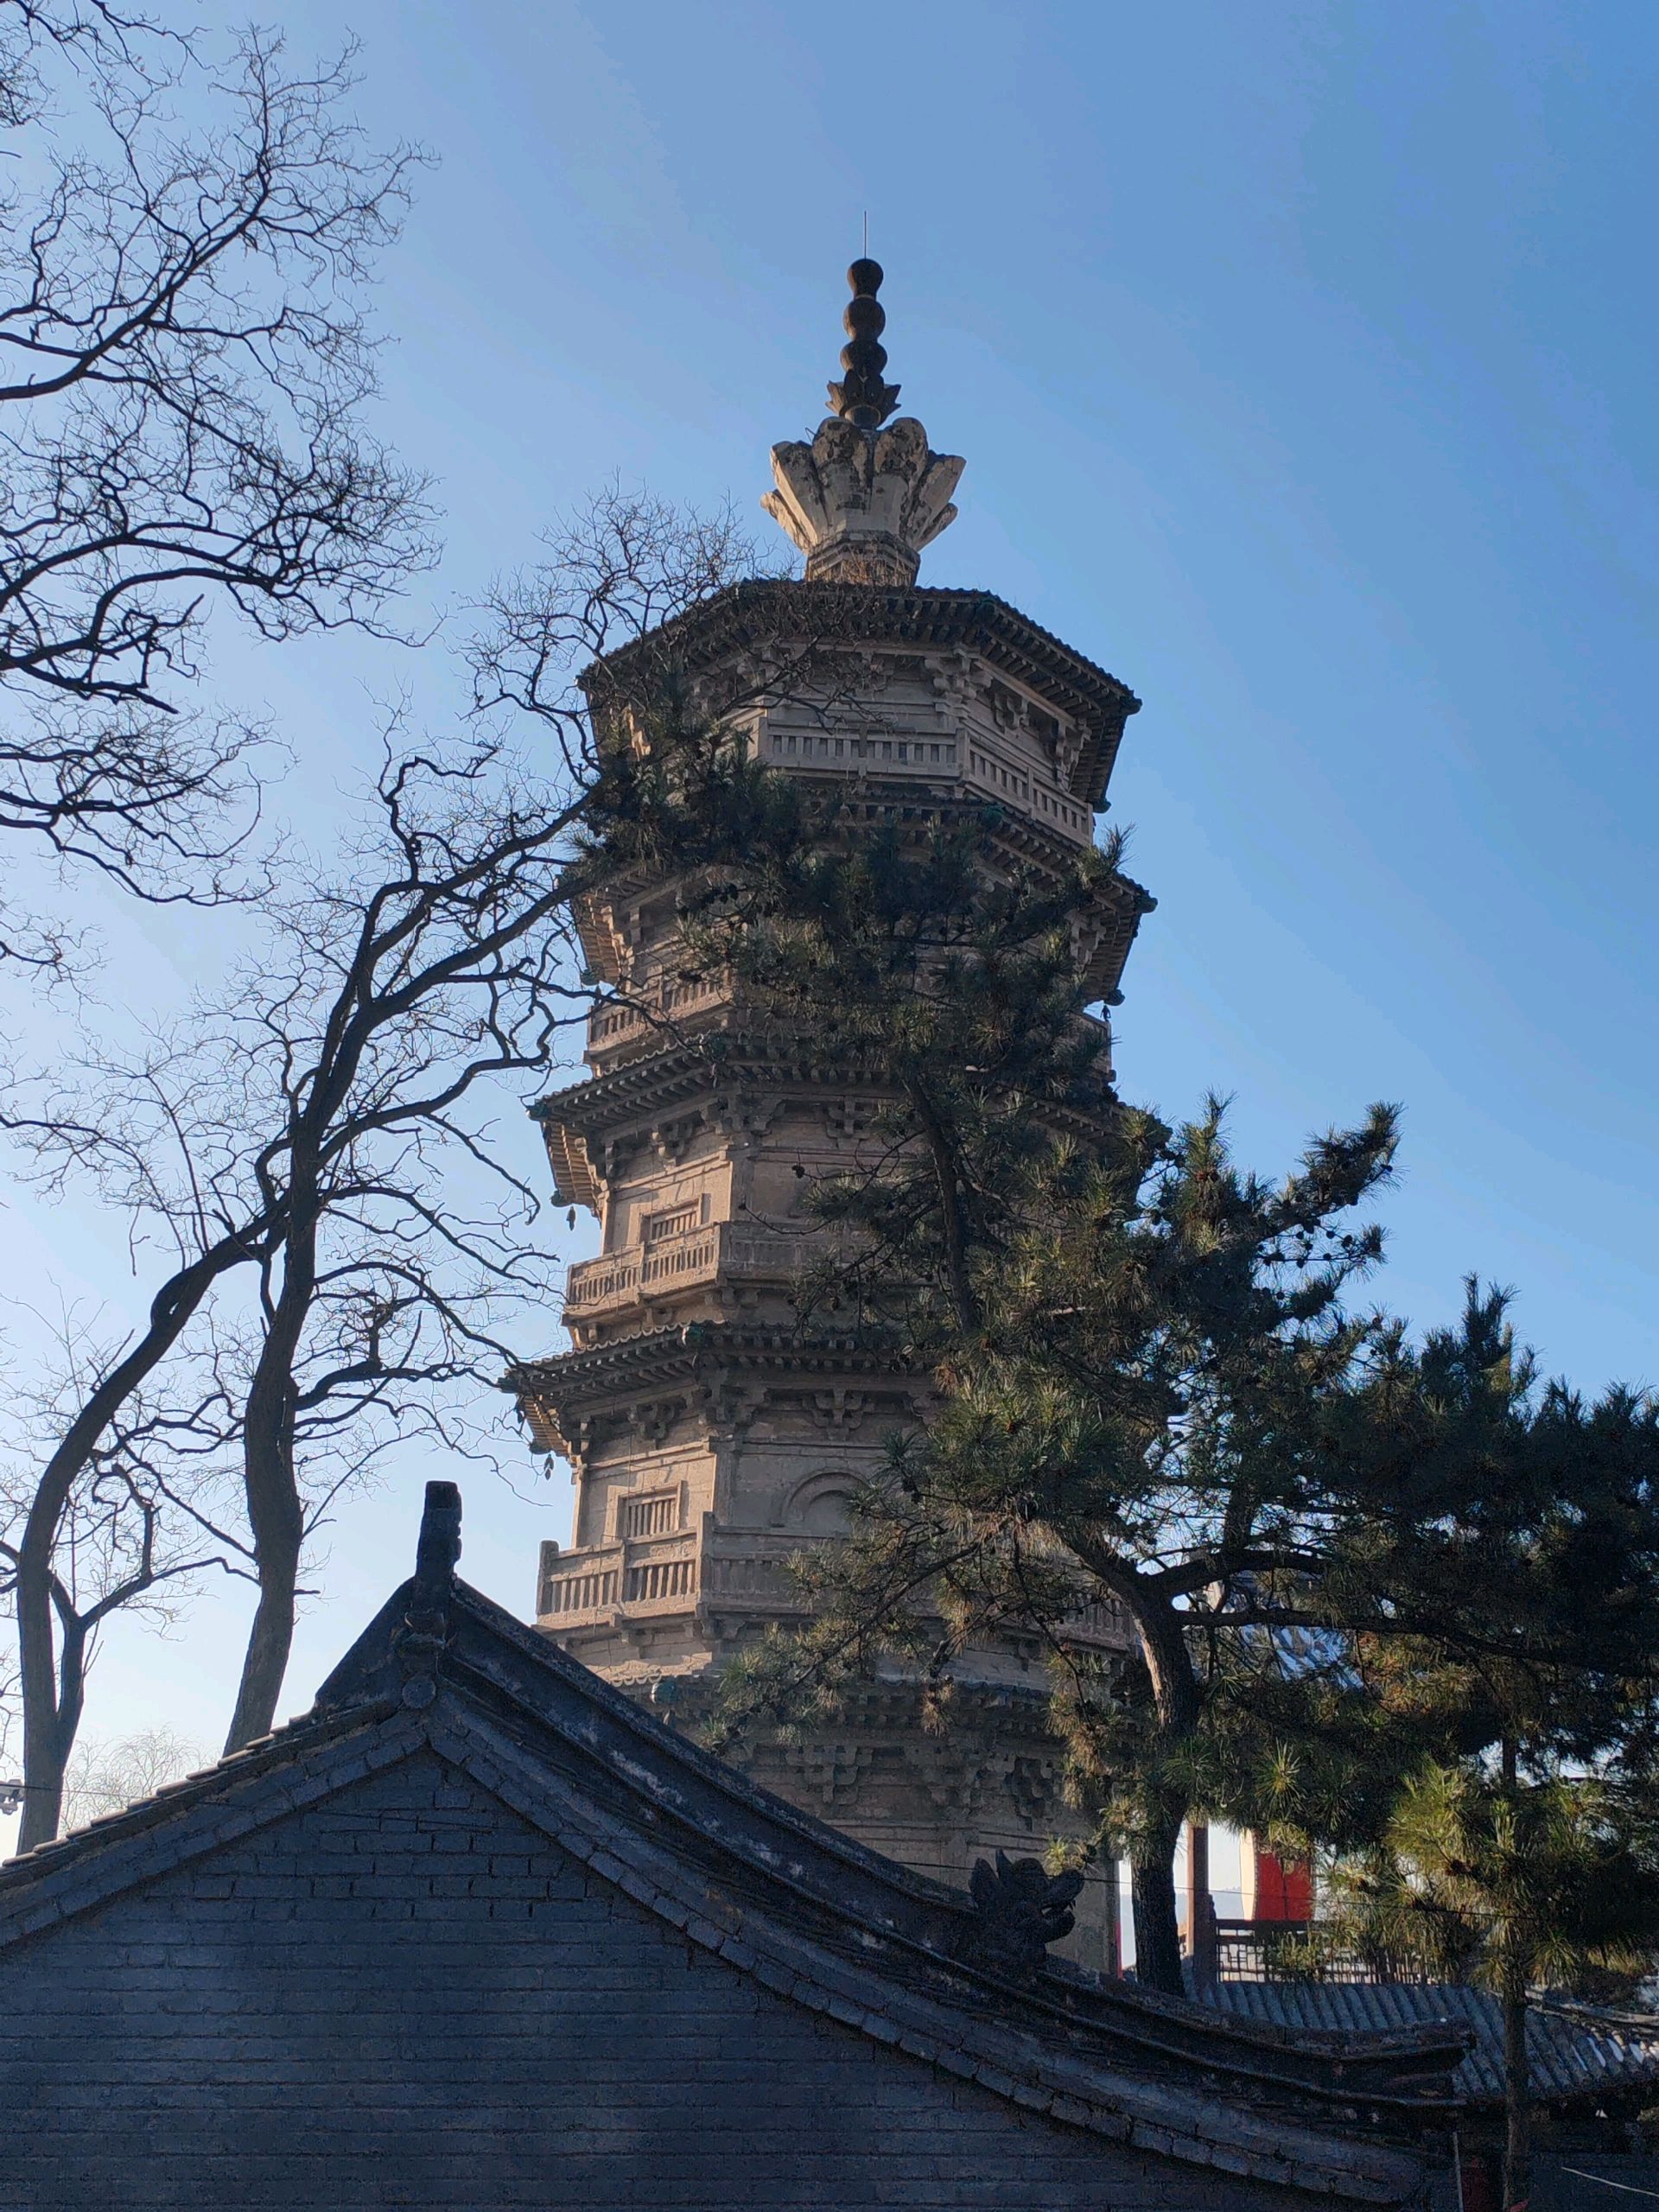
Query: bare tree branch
(184, 365)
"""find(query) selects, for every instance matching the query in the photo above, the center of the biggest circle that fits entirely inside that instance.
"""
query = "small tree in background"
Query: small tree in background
(1515, 1877)
(1503, 1640)
(107, 1778)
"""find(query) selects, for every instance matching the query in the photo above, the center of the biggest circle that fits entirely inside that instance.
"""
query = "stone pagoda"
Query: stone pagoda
(710, 1434)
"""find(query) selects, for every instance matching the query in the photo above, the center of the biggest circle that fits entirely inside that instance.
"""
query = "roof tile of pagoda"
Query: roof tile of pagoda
(748, 616)
(687, 1349)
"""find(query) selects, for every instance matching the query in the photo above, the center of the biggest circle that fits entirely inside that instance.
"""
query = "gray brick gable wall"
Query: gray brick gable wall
(406, 1995)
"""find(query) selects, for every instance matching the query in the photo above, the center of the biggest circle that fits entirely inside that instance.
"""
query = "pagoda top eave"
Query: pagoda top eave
(747, 617)
(549, 1390)
(689, 1348)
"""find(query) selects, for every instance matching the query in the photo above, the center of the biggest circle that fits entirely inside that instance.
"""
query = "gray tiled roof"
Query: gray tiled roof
(1576, 2051)
(786, 1901)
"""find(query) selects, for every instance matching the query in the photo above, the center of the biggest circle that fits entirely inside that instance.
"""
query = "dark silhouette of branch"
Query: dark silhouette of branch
(316, 1151)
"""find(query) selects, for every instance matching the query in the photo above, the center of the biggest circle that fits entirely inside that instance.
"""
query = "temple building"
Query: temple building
(709, 1436)
(487, 1927)
(479, 1932)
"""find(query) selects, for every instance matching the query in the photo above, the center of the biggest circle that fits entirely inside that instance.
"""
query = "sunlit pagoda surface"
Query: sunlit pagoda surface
(711, 1434)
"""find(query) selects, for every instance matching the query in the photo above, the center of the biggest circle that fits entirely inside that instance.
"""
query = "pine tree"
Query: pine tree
(1504, 1638)
(1129, 1338)
(1330, 1547)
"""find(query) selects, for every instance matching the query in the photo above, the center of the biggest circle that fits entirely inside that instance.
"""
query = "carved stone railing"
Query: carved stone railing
(1016, 784)
(633, 1023)
(618, 1280)
(744, 1568)
(1104, 1624)
(659, 1571)
(962, 756)
(752, 1568)
(933, 754)
(636, 1578)
(583, 1584)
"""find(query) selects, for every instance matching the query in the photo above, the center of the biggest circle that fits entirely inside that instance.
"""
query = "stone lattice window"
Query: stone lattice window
(673, 1221)
(657, 1515)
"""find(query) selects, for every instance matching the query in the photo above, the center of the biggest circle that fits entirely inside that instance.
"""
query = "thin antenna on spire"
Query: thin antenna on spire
(866, 234)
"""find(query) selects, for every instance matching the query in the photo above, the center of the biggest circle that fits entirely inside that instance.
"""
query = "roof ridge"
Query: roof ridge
(1063, 1992)
(309, 1725)
(753, 589)
(1007, 2056)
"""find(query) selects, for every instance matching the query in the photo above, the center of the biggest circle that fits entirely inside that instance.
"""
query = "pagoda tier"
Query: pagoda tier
(712, 1430)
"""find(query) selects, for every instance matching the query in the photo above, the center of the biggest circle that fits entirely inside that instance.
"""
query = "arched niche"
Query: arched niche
(823, 1504)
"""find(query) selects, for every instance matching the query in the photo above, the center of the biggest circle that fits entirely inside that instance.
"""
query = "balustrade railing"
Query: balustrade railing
(1301, 1950)
(657, 1005)
(966, 755)
(633, 1575)
(590, 1588)
(619, 1280)
(754, 1566)
(748, 1568)
(1104, 1622)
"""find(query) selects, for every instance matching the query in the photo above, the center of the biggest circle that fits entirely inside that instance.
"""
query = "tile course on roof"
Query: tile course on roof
(1575, 2050)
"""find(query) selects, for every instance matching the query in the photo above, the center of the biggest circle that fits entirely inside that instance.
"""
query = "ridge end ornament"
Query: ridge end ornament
(1020, 1909)
(419, 1643)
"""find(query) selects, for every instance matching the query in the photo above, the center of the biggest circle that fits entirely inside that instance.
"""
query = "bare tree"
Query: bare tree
(107, 1778)
(10, 1706)
(380, 1041)
(183, 367)
(305, 1129)
(327, 1128)
(459, 972)
(615, 572)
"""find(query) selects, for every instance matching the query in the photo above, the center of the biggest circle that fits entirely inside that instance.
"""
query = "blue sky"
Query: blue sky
(1302, 356)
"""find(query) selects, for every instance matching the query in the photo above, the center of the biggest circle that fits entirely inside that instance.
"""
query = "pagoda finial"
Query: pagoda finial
(861, 501)
(862, 397)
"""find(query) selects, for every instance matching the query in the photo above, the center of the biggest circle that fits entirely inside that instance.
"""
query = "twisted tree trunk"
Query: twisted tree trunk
(1152, 1895)
(51, 1643)
(1517, 2069)
(271, 1486)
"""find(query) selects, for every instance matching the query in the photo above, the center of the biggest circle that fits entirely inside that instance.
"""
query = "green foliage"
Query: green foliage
(1332, 1553)
(1522, 1883)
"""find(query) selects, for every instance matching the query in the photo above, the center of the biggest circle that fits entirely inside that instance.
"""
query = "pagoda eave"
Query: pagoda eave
(750, 618)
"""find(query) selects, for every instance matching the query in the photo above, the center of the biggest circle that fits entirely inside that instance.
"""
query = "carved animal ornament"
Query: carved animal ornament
(1020, 1909)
